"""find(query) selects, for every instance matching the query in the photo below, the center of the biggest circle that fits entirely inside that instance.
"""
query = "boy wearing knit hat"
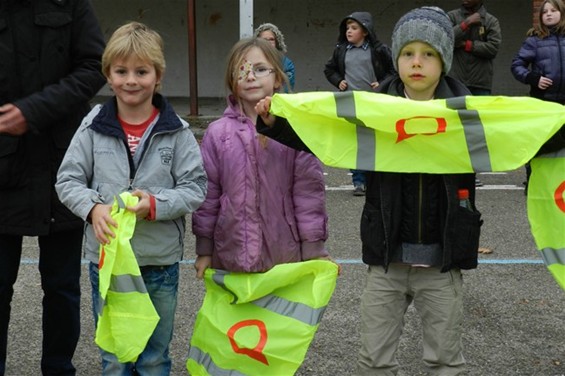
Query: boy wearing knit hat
(415, 236)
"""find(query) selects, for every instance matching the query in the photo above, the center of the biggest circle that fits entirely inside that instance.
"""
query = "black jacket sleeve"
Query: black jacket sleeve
(556, 142)
(282, 132)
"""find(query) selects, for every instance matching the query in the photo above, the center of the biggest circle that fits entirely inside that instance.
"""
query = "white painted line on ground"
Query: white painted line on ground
(493, 187)
(28, 261)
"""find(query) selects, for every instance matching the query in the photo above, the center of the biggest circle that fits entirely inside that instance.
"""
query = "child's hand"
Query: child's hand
(328, 258)
(474, 18)
(101, 222)
(143, 206)
(374, 85)
(201, 264)
(262, 108)
(342, 85)
(544, 83)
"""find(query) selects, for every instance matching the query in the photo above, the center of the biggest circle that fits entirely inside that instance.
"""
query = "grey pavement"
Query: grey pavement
(514, 310)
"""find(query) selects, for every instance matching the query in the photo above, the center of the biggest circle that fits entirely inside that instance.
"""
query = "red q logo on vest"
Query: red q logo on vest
(559, 196)
(421, 125)
(256, 352)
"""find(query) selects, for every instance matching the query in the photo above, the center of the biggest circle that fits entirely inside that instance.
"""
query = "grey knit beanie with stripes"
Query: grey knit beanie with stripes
(425, 24)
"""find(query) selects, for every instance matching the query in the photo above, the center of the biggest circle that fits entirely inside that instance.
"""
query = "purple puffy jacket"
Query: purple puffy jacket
(265, 204)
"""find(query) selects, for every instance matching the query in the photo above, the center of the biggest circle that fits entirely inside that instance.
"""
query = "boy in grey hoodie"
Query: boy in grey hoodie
(359, 62)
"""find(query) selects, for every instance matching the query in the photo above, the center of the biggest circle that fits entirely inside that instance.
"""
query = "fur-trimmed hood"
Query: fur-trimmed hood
(279, 37)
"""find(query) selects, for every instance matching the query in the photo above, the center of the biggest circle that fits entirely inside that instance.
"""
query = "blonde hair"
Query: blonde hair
(543, 31)
(237, 55)
(137, 40)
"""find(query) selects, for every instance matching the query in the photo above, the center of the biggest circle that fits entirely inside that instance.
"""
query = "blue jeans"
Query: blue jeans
(357, 177)
(59, 266)
(162, 285)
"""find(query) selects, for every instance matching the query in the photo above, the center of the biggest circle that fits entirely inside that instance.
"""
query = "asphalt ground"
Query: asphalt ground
(514, 310)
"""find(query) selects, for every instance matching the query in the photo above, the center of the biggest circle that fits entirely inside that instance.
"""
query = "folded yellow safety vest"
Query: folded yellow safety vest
(260, 323)
(379, 132)
(127, 318)
(546, 210)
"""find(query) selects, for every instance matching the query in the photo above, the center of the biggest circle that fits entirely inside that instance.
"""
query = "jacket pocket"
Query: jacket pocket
(372, 231)
(12, 162)
(464, 236)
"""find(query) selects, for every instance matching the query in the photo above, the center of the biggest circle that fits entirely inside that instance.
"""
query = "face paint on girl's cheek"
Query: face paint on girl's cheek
(244, 70)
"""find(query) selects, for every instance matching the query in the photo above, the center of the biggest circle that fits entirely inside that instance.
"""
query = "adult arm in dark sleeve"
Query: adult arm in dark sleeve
(282, 132)
(555, 143)
(43, 108)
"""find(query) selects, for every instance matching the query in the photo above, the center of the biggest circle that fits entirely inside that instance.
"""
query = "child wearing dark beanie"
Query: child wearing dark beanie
(416, 238)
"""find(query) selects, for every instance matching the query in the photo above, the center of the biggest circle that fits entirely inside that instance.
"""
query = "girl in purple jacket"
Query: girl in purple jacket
(266, 202)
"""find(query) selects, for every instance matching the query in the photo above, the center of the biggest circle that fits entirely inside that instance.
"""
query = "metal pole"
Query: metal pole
(192, 71)
(245, 18)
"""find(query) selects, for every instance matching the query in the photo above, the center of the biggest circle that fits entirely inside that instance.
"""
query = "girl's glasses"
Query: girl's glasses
(258, 72)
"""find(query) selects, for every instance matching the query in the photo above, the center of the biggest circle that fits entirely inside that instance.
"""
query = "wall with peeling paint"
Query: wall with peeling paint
(310, 28)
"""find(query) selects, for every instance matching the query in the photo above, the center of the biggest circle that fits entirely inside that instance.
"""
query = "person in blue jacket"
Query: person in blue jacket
(540, 61)
(273, 35)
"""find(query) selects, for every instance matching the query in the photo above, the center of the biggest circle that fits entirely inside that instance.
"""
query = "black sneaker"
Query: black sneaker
(359, 190)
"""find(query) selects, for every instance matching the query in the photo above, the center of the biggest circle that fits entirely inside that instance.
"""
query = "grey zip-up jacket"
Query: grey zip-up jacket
(167, 164)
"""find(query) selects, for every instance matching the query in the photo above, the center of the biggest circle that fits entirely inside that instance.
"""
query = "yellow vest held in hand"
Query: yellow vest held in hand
(260, 323)
(379, 132)
(127, 318)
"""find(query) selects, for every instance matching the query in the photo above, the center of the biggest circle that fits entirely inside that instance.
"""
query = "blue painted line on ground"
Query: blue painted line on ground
(27, 261)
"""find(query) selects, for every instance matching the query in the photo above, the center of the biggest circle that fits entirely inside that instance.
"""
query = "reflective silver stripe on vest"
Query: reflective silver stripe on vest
(474, 134)
(123, 283)
(206, 361)
(553, 256)
(366, 140)
(127, 283)
(297, 311)
(276, 304)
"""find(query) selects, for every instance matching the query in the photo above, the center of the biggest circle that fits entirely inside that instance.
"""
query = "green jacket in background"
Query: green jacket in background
(473, 61)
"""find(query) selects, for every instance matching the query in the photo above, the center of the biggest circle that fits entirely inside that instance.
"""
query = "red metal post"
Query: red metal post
(192, 71)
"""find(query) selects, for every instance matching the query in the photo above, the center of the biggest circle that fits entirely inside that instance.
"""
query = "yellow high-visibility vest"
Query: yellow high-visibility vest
(127, 318)
(379, 132)
(260, 323)
(546, 210)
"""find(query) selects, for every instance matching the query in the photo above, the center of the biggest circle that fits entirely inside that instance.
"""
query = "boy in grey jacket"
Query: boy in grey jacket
(135, 142)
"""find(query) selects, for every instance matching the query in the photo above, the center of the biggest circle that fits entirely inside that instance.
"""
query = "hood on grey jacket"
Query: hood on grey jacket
(364, 19)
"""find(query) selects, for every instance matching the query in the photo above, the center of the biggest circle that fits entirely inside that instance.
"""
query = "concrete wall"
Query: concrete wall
(310, 29)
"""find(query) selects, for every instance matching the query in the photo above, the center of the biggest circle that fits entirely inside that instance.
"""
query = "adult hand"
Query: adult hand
(262, 108)
(12, 120)
(342, 85)
(374, 85)
(101, 222)
(201, 264)
(544, 83)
